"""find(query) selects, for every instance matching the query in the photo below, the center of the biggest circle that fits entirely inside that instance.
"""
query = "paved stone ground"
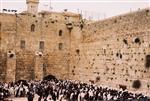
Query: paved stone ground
(23, 99)
(18, 99)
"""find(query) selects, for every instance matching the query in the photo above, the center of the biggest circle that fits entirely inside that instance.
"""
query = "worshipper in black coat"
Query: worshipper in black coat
(30, 96)
(39, 92)
(1, 94)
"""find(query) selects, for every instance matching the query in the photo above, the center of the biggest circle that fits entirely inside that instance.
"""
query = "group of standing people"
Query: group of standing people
(66, 90)
(12, 89)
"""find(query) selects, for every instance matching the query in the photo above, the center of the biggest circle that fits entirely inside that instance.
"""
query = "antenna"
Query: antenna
(50, 5)
(104, 15)
(98, 16)
(85, 12)
(130, 9)
(81, 13)
(92, 15)
(45, 5)
(78, 10)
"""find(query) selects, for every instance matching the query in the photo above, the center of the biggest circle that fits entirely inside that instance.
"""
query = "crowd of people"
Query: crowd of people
(65, 90)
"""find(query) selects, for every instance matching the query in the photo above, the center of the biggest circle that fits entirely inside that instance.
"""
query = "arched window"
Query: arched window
(22, 44)
(60, 32)
(32, 28)
(60, 46)
(147, 64)
(41, 46)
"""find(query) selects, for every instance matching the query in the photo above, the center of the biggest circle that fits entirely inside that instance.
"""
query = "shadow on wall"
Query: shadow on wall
(136, 84)
(50, 77)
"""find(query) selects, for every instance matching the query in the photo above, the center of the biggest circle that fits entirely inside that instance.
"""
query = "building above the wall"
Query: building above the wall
(32, 6)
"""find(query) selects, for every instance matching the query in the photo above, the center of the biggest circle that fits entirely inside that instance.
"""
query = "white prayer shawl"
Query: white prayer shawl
(90, 93)
(109, 96)
(81, 96)
(60, 97)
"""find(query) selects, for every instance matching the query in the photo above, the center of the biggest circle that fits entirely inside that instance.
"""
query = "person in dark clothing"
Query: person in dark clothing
(39, 92)
(69, 90)
(30, 96)
(54, 96)
(1, 94)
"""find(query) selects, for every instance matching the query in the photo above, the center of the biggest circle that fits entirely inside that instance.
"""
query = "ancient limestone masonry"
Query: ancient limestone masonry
(114, 52)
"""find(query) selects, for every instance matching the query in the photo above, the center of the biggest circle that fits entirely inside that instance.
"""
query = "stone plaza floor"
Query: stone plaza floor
(22, 99)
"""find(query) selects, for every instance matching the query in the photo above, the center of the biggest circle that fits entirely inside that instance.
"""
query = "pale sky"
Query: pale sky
(94, 9)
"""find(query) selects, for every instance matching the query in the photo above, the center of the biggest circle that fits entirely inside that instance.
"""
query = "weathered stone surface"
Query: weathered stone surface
(114, 50)
(37, 53)
(111, 52)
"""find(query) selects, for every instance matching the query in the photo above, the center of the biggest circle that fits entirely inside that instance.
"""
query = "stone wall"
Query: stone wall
(2, 66)
(7, 35)
(113, 52)
(36, 45)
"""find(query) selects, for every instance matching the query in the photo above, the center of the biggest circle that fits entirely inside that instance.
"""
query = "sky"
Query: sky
(90, 9)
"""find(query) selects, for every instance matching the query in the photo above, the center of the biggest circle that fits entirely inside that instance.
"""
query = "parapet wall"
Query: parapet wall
(127, 23)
